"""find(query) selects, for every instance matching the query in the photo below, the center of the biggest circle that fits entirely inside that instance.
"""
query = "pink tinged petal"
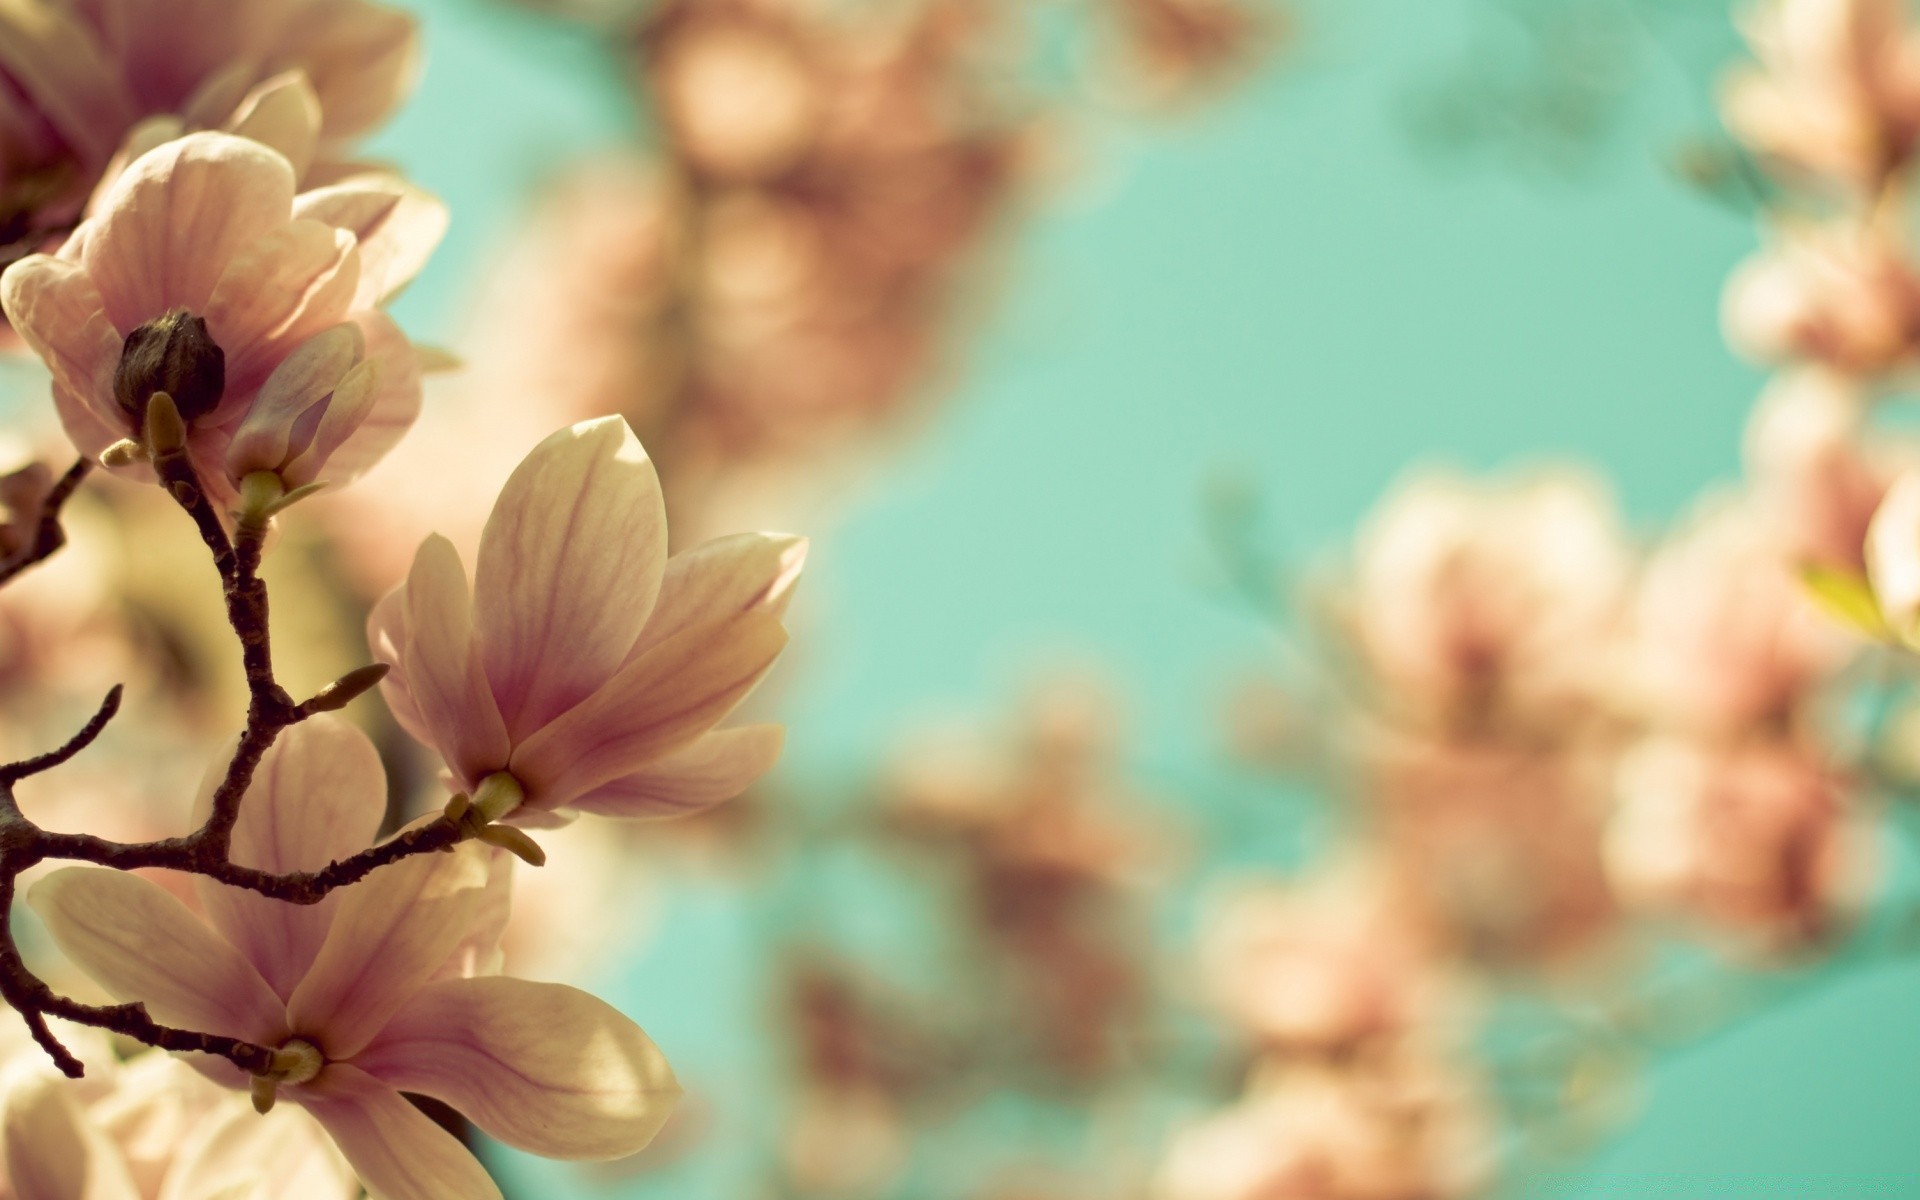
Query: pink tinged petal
(392, 407)
(54, 1153)
(397, 226)
(715, 767)
(363, 59)
(479, 952)
(395, 1149)
(237, 1154)
(283, 113)
(389, 936)
(303, 379)
(448, 686)
(726, 575)
(541, 1066)
(656, 704)
(50, 54)
(56, 308)
(350, 405)
(318, 795)
(276, 293)
(387, 637)
(570, 563)
(138, 942)
(173, 222)
(89, 434)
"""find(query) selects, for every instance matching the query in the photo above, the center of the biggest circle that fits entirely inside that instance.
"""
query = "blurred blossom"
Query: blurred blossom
(1724, 638)
(1817, 471)
(1174, 49)
(1893, 555)
(1840, 295)
(1326, 965)
(1757, 840)
(1475, 601)
(82, 82)
(1399, 1128)
(1836, 90)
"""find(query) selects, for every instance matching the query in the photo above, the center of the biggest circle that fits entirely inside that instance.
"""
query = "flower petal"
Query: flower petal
(387, 637)
(53, 304)
(397, 226)
(390, 934)
(301, 380)
(138, 942)
(235, 1153)
(318, 795)
(55, 1153)
(393, 407)
(570, 563)
(363, 59)
(172, 223)
(277, 292)
(395, 1149)
(47, 51)
(729, 574)
(283, 113)
(717, 766)
(654, 706)
(541, 1066)
(444, 675)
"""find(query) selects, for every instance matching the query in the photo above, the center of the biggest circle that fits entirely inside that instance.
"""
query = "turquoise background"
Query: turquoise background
(1286, 289)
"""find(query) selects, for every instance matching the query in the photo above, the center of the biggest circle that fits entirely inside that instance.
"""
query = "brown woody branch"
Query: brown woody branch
(48, 534)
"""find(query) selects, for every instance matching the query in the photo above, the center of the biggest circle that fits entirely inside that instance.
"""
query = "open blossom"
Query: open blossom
(1754, 839)
(156, 1129)
(585, 666)
(1470, 596)
(205, 276)
(83, 84)
(1842, 296)
(1817, 471)
(1836, 91)
(368, 993)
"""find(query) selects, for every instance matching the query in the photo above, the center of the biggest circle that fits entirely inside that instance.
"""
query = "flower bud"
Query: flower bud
(348, 688)
(174, 354)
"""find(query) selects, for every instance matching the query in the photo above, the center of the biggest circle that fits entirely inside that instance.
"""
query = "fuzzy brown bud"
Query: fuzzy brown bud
(172, 354)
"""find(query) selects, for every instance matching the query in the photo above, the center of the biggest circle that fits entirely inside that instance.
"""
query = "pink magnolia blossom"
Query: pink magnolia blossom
(584, 665)
(367, 993)
(209, 228)
(1836, 91)
(1893, 555)
(84, 86)
(1842, 296)
(1817, 472)
(1756, 840)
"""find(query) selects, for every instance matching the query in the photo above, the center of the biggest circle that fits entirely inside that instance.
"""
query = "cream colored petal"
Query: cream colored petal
(1893, 554)
(235, 1152)
(541, 1066)
(392, 407)
(275, 294)
(387, 638)
(570, 562)
(319, 794)
(54, 1153)
(444, 676)
(398, 227)
(302, 379)
(717, 766)
(729, 574)
(350, 405)
(138, 942)
(90, 434)
(395, 1149)
(389, 936)
(54, 306)
(656, 704)
(284, 113)
(174, 221)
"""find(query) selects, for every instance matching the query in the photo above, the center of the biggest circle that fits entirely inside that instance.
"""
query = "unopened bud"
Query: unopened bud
(514, 842)
(165, 433)
(124, 452)
(265, 1090)
(172, 354)
(498, 794)
(348, 688)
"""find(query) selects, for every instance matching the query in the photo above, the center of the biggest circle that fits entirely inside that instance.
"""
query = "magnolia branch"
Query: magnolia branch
(205, 851)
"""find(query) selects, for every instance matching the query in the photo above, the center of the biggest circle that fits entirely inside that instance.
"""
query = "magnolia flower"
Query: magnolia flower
(1324, 964)
(159, 1130)
(1756, 839)
(1814, 474)
(1723, 638)
(1837, 88)
(82, 85)
(1893, 556)
(1411, 1130)
(1472, 596)
(586, 670)
(367, 993)
(204, 275)
(1844, 297)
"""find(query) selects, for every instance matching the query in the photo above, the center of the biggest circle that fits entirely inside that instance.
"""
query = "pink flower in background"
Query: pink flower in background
(1836, 91)
(1838, 295)
(1723, 637)
(1893, 555)
(82, 84)
(585, 663)
(1470, 596)
(202, 252)
(1816, 479)
(1755, 839)
(366, 993)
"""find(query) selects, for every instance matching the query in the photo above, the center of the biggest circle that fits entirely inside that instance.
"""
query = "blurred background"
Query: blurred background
(1168, 308)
